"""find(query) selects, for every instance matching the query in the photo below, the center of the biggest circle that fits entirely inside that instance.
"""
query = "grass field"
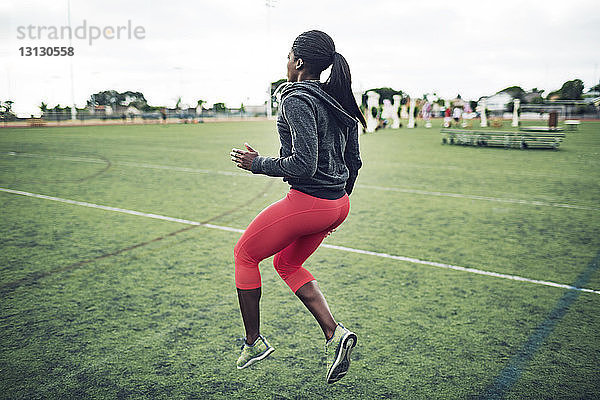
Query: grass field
(104, 304)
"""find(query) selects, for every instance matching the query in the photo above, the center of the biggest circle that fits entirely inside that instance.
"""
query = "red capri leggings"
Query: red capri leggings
(292, 229)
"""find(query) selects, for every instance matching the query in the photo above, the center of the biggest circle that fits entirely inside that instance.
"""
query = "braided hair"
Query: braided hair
(317, 49)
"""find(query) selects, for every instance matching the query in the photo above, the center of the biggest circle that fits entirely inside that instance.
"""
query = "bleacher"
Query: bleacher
(506, 139)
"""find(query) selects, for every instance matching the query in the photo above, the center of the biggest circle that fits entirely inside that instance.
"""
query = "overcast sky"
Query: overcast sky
(230, 50)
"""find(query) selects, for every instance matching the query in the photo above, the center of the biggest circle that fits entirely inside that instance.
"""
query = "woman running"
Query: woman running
(319, 158)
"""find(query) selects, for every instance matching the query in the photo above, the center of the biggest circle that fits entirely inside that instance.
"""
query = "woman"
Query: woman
(319, 158)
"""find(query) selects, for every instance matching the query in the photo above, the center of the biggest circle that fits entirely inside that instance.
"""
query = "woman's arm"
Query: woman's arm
(352, 158)
(300, 117)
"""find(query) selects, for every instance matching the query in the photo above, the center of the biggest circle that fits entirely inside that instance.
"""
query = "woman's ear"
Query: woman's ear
(299, 63)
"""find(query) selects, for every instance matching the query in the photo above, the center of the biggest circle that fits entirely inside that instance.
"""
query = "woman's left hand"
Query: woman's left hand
(243, 158)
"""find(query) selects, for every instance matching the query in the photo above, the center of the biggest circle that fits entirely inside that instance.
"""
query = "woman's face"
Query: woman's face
(292, 71)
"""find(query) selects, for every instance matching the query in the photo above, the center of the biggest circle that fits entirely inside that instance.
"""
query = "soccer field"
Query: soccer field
(459, 268)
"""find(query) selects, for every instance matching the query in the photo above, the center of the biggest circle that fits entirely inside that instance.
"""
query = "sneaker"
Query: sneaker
(337, 353)
(251, 354)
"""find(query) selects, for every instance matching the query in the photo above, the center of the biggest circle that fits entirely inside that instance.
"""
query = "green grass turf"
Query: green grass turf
(161, 320)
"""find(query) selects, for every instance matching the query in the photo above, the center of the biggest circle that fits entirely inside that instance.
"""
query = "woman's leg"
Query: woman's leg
(288, 263)
(271, 231)
(313, 299)
(249, 307)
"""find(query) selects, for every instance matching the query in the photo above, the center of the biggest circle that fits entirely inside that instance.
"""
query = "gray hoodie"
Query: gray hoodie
(319, 152)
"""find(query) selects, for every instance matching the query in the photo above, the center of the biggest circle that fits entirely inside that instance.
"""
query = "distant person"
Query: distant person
(426, 114)
(467, 116)
(447, 117)
(163, 114)
(381, 124)
(456, 114)
(319, 158)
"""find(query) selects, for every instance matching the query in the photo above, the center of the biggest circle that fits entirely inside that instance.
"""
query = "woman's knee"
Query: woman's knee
(282, 268)
(241, 256)
(236, 248)
(295, 276)
(247, 274)
(277, 263)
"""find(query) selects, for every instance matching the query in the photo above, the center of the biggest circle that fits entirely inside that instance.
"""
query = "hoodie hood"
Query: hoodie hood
(315, 88)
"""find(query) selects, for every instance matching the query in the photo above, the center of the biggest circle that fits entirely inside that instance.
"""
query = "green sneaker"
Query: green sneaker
(251, 354)
(337, 353)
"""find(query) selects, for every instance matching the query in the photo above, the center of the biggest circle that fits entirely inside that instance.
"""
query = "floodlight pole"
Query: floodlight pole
(74, 109)
(269, 111)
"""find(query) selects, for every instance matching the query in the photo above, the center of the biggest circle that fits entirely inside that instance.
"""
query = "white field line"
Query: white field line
(456, 168)
(475, 197)
(459, 268)
(128, 164)
(359, 185)
(329, 246)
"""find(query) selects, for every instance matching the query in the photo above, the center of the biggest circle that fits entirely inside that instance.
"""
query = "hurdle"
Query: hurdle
(505, 139)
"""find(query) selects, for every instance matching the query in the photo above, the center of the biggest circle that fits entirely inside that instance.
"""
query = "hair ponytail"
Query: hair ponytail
(317, 49)
(339, 85)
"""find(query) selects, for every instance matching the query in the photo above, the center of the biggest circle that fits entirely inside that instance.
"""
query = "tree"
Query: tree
(570, 90)
(6, 113)
(219, 108)
(386, 93)
(584, 109)
(537, 100)
(8, 105)
(135, 99)
(533, 96)
(104, 98)
(515, 91)
(595, 88)
(113, 98)
(554, 95)
(57, 112)
(275, 85)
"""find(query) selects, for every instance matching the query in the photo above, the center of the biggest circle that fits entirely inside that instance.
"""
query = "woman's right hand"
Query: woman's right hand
(243, 158)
